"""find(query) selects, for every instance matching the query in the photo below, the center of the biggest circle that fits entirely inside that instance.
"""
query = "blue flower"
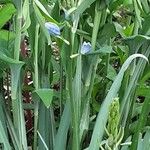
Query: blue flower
(53, 29)
(86, 47)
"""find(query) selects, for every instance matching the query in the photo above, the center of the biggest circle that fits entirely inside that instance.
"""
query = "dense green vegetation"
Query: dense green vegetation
(74, 74)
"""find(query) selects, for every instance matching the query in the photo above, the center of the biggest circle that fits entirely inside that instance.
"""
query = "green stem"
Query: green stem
(72, 3)
(97, 19)
(36, 56)
(61, 85)
(36, 85)
(103, 17)
(75, 119)
(91, 74)
(15, 77)
(141, 122)
(136, 22)
(92, 77)
(18, 35)
(136, 27)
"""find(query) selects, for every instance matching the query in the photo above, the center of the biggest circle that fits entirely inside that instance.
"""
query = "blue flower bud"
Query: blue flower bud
(86, 47)
(53, 29)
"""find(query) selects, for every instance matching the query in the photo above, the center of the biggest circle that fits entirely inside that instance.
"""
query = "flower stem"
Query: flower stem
(36, 85)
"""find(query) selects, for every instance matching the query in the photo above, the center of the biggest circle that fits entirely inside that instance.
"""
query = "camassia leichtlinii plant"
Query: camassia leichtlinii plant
(74, 74)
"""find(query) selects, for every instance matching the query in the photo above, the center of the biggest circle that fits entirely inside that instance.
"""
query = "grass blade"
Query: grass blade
(61, 136)
(3, 137)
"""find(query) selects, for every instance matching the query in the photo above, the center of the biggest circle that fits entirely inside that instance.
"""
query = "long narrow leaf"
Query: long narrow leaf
(3, 138)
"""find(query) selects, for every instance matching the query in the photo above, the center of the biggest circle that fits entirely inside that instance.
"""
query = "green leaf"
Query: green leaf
(135, 42)
(85, 119)
(119, 29)
(146, 28)
(12, 132)
(6, 35)
(6, 42)
(46, 96)
(105, 49)
(138, 12)
(115, 4)
(61, 136)
(128, 30)
(127, 2)
(3, 138)
(125, 145)
(82, 7)
(9, 60)
(146, 141)
(143, 91)
(140, 142)
(124, 32)
(145, 6)
(45, 13)
(5, 1)
(18, 4)
(108, 31)
(111, 73)
(41, 21)
(141, 123)
(3, 119)
(6, 13)
(15, 67)
(56, 11)
(64, 40)
(26, 15)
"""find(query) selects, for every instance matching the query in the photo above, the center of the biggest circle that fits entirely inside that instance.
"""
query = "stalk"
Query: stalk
(92, 70)
(61, 86)
(136, 21)
(75, 118)
(18, 35)
(36, 56)
(136, 27)
(97, 19)
(36, 85)
(141, 122)
(46, 116)
(17, 42)
(72, 3)
(15, 79)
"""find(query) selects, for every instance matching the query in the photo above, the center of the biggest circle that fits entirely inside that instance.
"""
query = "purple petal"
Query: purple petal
(86, 47)
(53, 29)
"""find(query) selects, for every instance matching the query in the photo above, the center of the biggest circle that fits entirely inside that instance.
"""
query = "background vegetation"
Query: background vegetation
(80, 81)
